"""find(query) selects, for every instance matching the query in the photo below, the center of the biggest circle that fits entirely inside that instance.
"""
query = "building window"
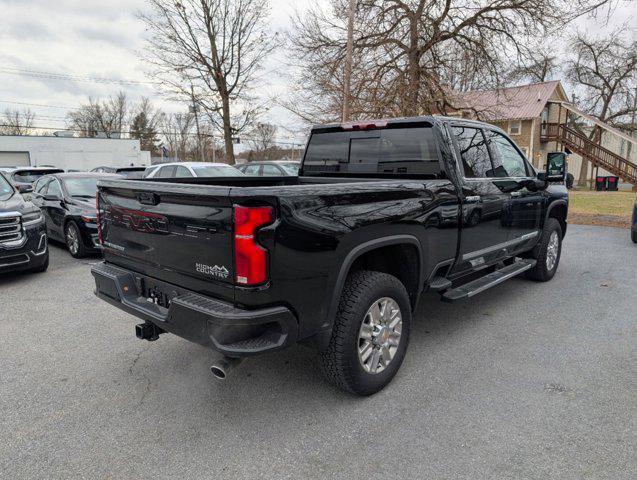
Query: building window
(515, 127)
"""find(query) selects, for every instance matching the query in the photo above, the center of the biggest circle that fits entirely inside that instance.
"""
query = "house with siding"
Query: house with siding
(536, 117)
(523, 112)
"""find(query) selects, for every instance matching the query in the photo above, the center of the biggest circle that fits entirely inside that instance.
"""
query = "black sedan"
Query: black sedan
(67, 201)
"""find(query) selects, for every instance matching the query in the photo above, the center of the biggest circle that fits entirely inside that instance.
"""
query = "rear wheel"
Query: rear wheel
(74, 240)
(547, 252)
(370, 333)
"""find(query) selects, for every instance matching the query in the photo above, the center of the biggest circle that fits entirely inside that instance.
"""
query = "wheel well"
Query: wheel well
(401, 261)
(559, 213)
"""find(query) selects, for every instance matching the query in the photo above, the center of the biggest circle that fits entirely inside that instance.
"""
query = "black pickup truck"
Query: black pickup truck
(337, 257)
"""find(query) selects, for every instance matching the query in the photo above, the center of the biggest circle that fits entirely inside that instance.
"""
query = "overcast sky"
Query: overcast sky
(101, 39)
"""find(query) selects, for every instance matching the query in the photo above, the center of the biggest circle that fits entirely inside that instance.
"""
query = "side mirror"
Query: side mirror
(556, 167)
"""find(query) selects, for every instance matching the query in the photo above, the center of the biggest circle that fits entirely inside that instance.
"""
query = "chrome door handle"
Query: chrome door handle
(516, 194)
(473, 199)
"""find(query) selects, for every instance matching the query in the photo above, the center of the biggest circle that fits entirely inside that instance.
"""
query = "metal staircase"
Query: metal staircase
(591, 151)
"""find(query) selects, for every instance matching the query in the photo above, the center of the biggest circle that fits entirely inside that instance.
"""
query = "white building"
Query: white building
(70, 152)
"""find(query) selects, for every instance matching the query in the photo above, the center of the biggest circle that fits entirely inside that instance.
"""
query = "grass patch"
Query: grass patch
(602, 203)
(612, 209)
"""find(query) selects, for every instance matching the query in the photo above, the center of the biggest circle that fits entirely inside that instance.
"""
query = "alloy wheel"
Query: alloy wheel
(379, 335)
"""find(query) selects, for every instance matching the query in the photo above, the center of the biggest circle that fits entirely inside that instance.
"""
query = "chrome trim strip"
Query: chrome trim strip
(41, 249)
(500, 246)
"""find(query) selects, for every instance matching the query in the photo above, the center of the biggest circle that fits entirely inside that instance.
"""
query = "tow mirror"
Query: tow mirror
(556, 167)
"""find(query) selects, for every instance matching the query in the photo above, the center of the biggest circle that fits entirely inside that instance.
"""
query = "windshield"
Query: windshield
(6, 190)
(30, 176)
(216, 171)
(81, 187)
(290, 168)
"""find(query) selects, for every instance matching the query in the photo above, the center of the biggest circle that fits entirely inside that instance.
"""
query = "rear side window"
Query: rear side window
(408, 150)
(473, 152)
(166, 172)
(182, 172)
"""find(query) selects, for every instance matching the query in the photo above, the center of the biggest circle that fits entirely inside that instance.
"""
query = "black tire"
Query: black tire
(44, 267)
(541, 272)
(340, 361)
(633, 236)
(77, 250)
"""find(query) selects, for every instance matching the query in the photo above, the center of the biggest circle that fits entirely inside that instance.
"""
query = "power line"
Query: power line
(205, 135)
(36, 105)
(71, 77)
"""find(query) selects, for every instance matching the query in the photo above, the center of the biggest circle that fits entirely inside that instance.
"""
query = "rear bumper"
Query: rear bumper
(230, 330)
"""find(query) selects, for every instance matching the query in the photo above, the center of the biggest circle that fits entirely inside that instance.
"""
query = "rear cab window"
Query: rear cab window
(398, 149)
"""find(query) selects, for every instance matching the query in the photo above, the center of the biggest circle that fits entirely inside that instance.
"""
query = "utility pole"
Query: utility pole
(195, 109)
(348, 61)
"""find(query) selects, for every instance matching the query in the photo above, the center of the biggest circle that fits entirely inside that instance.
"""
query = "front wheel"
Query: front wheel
(370, 333)
(547, 252)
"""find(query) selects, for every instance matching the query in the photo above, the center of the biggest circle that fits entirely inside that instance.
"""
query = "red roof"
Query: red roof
(513, 103)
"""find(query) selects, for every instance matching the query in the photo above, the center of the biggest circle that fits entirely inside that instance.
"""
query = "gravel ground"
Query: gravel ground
(526, 380)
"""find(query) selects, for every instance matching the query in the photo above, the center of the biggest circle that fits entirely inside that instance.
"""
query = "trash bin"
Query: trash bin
(612, 184)
(600, 184)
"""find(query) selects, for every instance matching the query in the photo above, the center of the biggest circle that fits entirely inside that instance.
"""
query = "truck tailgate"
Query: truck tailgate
(180, 234)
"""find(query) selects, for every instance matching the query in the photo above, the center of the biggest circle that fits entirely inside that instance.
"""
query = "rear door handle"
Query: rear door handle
(473, 199)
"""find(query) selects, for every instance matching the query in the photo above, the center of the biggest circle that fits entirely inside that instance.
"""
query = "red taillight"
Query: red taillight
(250, 258)
(99, 224)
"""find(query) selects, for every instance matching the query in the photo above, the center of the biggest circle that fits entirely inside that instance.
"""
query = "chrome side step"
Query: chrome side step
(470, 289)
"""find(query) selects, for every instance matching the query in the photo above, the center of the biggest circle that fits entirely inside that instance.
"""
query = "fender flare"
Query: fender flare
(552, 205)
(346, 265)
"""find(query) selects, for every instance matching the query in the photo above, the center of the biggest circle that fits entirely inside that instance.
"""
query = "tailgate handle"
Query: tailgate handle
(146, 198)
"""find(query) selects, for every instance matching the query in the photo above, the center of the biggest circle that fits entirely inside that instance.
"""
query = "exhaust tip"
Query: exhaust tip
(222, 367)
(218, 372)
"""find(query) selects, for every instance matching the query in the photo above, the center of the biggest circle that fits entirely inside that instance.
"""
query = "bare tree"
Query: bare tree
(107, 118)
(538, 64)
(215, 46)
(16, 122)
(261, 140)
(178, 132)
(409, 55)
(604, 73)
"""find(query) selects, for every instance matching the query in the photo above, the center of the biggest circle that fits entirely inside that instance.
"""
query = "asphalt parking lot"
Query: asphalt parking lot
(526, 380)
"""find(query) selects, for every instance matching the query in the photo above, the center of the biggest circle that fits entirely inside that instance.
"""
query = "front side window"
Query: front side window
(473, 152)
(508, 162)
(40, 186)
